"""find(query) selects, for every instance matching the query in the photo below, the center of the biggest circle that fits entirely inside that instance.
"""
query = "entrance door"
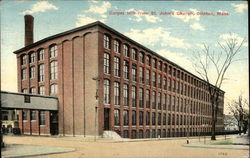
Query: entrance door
(53, 123)
(106, 119)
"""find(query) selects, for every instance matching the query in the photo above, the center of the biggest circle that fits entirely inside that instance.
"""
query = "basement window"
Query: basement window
(26, 99)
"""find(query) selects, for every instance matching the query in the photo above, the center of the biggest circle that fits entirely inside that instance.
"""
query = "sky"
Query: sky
(173, 29)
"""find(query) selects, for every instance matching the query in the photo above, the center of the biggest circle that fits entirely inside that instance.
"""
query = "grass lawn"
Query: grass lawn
(222, 142)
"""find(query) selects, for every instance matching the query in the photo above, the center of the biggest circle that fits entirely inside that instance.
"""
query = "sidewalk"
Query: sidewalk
(21, 150)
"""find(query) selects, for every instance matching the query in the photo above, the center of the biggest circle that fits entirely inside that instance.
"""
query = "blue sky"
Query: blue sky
(175, 37)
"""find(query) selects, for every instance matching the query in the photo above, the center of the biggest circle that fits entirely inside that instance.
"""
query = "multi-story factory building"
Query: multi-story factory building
(107, 81)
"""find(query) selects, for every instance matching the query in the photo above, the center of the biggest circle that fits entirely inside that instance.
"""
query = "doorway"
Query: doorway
(106, 119)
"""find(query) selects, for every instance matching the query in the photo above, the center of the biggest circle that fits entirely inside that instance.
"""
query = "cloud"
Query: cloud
(197, 26)
(140, 17)
(41, 6)
(228, 36)
(180, 59)
(239, 7)
(83, 20)
(158, 35)
(187, 17)
(96, 12)
(99, 9)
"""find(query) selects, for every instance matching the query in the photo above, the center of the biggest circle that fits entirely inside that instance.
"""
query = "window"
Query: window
(170, 70)
(147, 60)
(159, 81)
(177, 87)
(117, 93)
(169, 117)
(177, 104)
(125, 51)
(53, 89)
(126, 69)
(160, 66)
(153, 133)
(164, 119)
(133, 54)
(147, 77)
(41, 90)
(26, 98)
(42, 117)
(169, 103)
(23, 59)
(140, 118)
(165, 102)
(141, 98)
(24, 74)
(41, 73)
(125, 94)
(159, 133)
(133, 117)
(159, 100)
(133, 96)
(24, 90)
(173, 119)
(53, 51)
(106, 42)
(165, 83)
(125, 117)
(173, 85)
(154, 79)
(133, 134)
(32, 72)
(153, 118)
(140, 133)
(106, 91)
(153, 100)
(141, 75)
(134, 73)
(141, 57)
(53, 70)
(154, 63)
(169, 84)
(116, 46)
(40, 54)
(147, 133)
(125, 133)
(117, 117)
(33, 115)
(173, 103)
(32, 57)
(159, 118)
(147, 118)
(116, 66)
(25, 115)
(147, 98)
(33, 90)
(106, 63)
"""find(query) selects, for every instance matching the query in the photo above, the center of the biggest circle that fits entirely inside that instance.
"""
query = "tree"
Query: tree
(212, 67)
(239, 111)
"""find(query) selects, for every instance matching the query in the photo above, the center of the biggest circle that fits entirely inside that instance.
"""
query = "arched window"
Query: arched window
(40, 54)
(32, 57)
(53, 89)
(23, 59)
(53, 51)
(106, 91)
(53, 70)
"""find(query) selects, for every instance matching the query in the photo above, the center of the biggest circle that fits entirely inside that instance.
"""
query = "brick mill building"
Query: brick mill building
(106, 81)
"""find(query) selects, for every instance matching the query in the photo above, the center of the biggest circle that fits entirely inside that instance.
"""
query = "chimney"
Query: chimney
(29, 23)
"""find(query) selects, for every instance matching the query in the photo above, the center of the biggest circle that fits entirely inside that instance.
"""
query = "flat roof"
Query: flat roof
(13, 100)
(98, 23)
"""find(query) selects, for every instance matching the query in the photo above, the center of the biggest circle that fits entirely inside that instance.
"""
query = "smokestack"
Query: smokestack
(29, 23)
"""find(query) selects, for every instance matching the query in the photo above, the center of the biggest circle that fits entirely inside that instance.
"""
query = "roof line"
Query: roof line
(112, 30)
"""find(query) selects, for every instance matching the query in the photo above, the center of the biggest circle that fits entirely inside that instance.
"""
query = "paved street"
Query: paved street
(172, 148)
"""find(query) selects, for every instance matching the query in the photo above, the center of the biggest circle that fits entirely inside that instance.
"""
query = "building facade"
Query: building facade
(106, 81)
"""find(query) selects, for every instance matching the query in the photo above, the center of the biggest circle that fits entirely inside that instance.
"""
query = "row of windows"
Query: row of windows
(162, 119)
(152, 79)
(159, 65)
(151, 98)
(42, 116)
(182, 132)
(41, 71)
(40, 55)
(41, 90)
